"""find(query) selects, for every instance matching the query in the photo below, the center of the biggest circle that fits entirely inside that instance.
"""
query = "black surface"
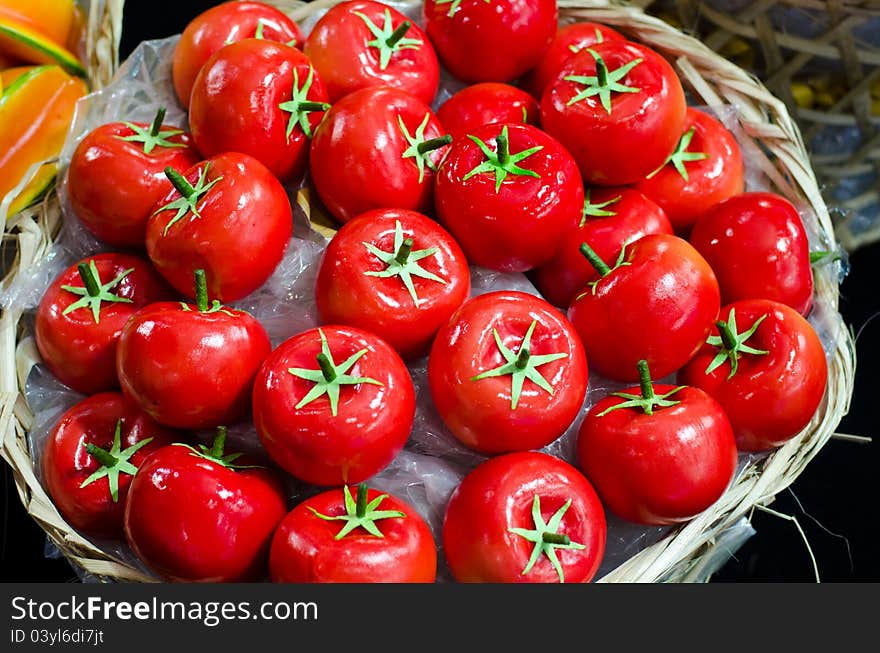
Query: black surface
(834, 499)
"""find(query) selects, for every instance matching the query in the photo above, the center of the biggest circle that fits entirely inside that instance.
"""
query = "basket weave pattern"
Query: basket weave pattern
(713, 81)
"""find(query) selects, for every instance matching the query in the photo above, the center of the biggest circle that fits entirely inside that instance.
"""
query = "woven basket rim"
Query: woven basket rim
(714, 80)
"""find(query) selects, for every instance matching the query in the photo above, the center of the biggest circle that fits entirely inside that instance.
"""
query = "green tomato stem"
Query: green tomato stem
(104, 457)
(728, 339)
(433, 144)
(179, 182)
(93, 287)
(503, 148)
(219, 443)
(309, 106)
(327, 367)
(398, 34)
(595, 260)
(645, 384)
(522, 359)
(361, 509)
(555, 538)
(403, 253)
(201, 290)
(157, 122)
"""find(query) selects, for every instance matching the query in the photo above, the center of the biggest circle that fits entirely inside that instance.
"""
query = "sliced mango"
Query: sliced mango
(21, 41)
(51, 17)
(36, 110)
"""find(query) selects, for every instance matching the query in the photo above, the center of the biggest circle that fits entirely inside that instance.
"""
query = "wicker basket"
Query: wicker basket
(822, 58)
(681, 554)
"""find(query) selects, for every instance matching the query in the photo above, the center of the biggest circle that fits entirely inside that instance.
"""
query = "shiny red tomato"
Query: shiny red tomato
(705, 168)
(81, 315)
(757, 246)
(508, 194)
(227, 215)
(259, 98)
(334, 537)
(91, 456)
(488, 102)
(569, 40)
(619, 108)
(610, 218)
(395, 273)
(362, 43)
(191, 365)
(497, 41)
(657, 303)
(507, 373)
(226, 23)
(657, 454)
(204, 514)
(333, 405)
(377, 148)
(765, 365)
(524, 517)
(117, 172)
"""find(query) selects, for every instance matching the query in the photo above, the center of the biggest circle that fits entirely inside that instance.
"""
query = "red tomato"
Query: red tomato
(227, 215)
(226, 23)
(388, 142)
(191, 365)
(118, 170)
(479, 41)
(569, 40)
(258, 98)
(394, 273)
(658, 304)
(362, 43)
(765, 365)
(705, 168)
(203, 514)
(757, 246)
(508, 193)
(524, 517)
(334, 538)
(619, 108)
(657, 454)
(610, 218)
(333, 405)
(91, 456)
(81, 315)
(485, 103)
(507, 373)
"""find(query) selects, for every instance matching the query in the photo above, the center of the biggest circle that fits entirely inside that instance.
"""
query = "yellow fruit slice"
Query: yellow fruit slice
(19, 40)
(51, 17)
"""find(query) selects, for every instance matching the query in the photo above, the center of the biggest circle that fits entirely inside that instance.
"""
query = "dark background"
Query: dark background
(834, 499)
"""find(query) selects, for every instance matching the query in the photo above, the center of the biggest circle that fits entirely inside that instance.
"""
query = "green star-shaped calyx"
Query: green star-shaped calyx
(419, 147)
(601, 266)
(680, 155)
(501, 162)
(299, 106)
(154, 136)
(547, 537)
(604, 83)
(732, 343)
(597, 210)
(329, 376)
(93, 292)
(454, 5)
(216, 453)
(521, 366)
(189, 195)
(201, 285)
(647, 401)
(599, 39)
(113, 462)
(403, 262)
(360, 514)
(389, 40)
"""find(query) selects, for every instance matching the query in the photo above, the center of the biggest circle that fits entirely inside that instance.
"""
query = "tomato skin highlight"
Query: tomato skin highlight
(771, 397)
(78, 351)
(190, 519)
(622, 147)
(517, 225)
(711, 180)
(345, 294)
(497, 495)
(113, 183)
(479, 412)
(338, 48)
(660, 307)
(758, 248)
(663, 468)
(220, 25)
(305, 549)
(633, 216)
(236, 105)
(485, 103)
(490, 42)
(66, 464)
(371, 426)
